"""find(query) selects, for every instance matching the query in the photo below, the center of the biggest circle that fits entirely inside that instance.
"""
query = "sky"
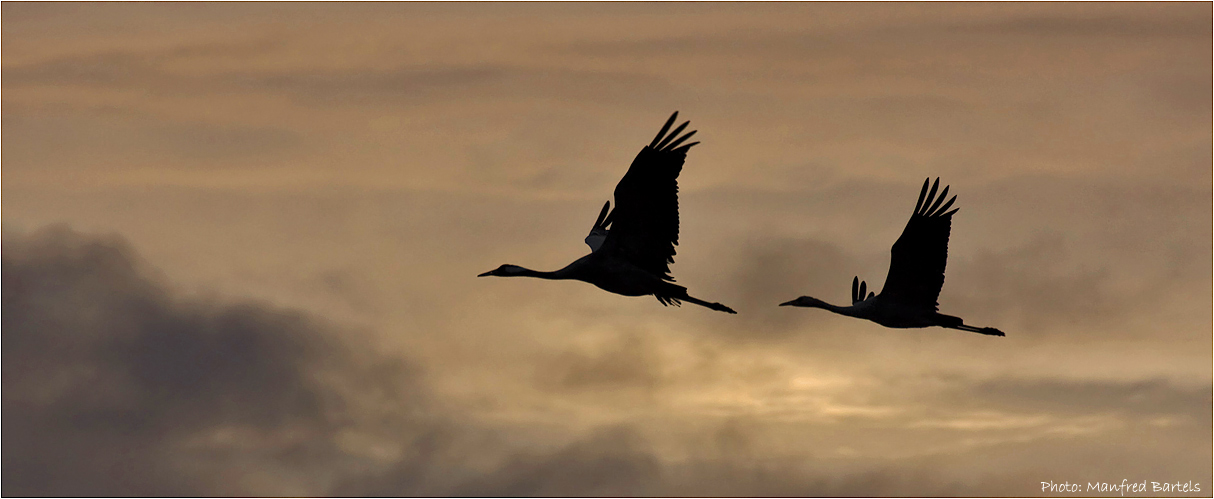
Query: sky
(241, 241)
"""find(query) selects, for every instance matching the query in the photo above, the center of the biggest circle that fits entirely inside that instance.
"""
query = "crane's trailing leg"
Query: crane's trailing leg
(715, 306)
(680, 295)
(980, 330)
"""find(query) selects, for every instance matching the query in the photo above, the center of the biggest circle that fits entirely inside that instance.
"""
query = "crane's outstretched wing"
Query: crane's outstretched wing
(598, 232)
(645, 225)
(917, 260)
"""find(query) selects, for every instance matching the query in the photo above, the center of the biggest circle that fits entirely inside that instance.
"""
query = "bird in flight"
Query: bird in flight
(916, 274)
(632, 246)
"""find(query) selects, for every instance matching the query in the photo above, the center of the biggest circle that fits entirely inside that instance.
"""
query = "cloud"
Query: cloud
(826, 30)
(618, 461)
(628, 362)
(1036, 286)
(148, 69)
(159, 72)
(1145, 398)
(57, 138)
(1140, 26)
(777, 270)
(115, 386)
(610, 463)
(1097, 251)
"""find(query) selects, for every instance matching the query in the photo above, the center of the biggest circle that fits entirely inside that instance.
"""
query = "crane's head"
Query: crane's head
(805, 301)
(506, 270)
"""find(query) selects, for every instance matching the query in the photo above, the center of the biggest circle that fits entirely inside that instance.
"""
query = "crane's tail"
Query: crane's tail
(980, 330)
(668, 300)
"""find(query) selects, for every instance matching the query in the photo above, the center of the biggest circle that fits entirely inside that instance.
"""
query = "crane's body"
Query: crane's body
(888, 313)
(632, 246)
(916, 274)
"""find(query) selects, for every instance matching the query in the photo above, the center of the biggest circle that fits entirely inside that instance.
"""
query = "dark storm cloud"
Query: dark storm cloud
(108, 377)
(114, 386)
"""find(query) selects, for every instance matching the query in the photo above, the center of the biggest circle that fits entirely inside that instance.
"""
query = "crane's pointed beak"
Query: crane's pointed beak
(486, 273)
(787, 303)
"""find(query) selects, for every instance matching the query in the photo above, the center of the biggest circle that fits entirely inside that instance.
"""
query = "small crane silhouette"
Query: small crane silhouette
(916, 274)
(632, 257)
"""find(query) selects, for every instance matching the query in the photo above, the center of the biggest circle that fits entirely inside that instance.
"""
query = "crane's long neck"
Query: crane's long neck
(572, 271)
(810, 302)
(849, 311)
(541, 274)
(569, 272)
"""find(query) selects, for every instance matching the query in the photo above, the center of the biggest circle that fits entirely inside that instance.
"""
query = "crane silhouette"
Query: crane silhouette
(632, 246)
(916, 274)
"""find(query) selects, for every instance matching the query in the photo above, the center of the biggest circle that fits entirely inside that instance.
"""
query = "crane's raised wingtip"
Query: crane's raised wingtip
(666, 141)
(665, 128)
